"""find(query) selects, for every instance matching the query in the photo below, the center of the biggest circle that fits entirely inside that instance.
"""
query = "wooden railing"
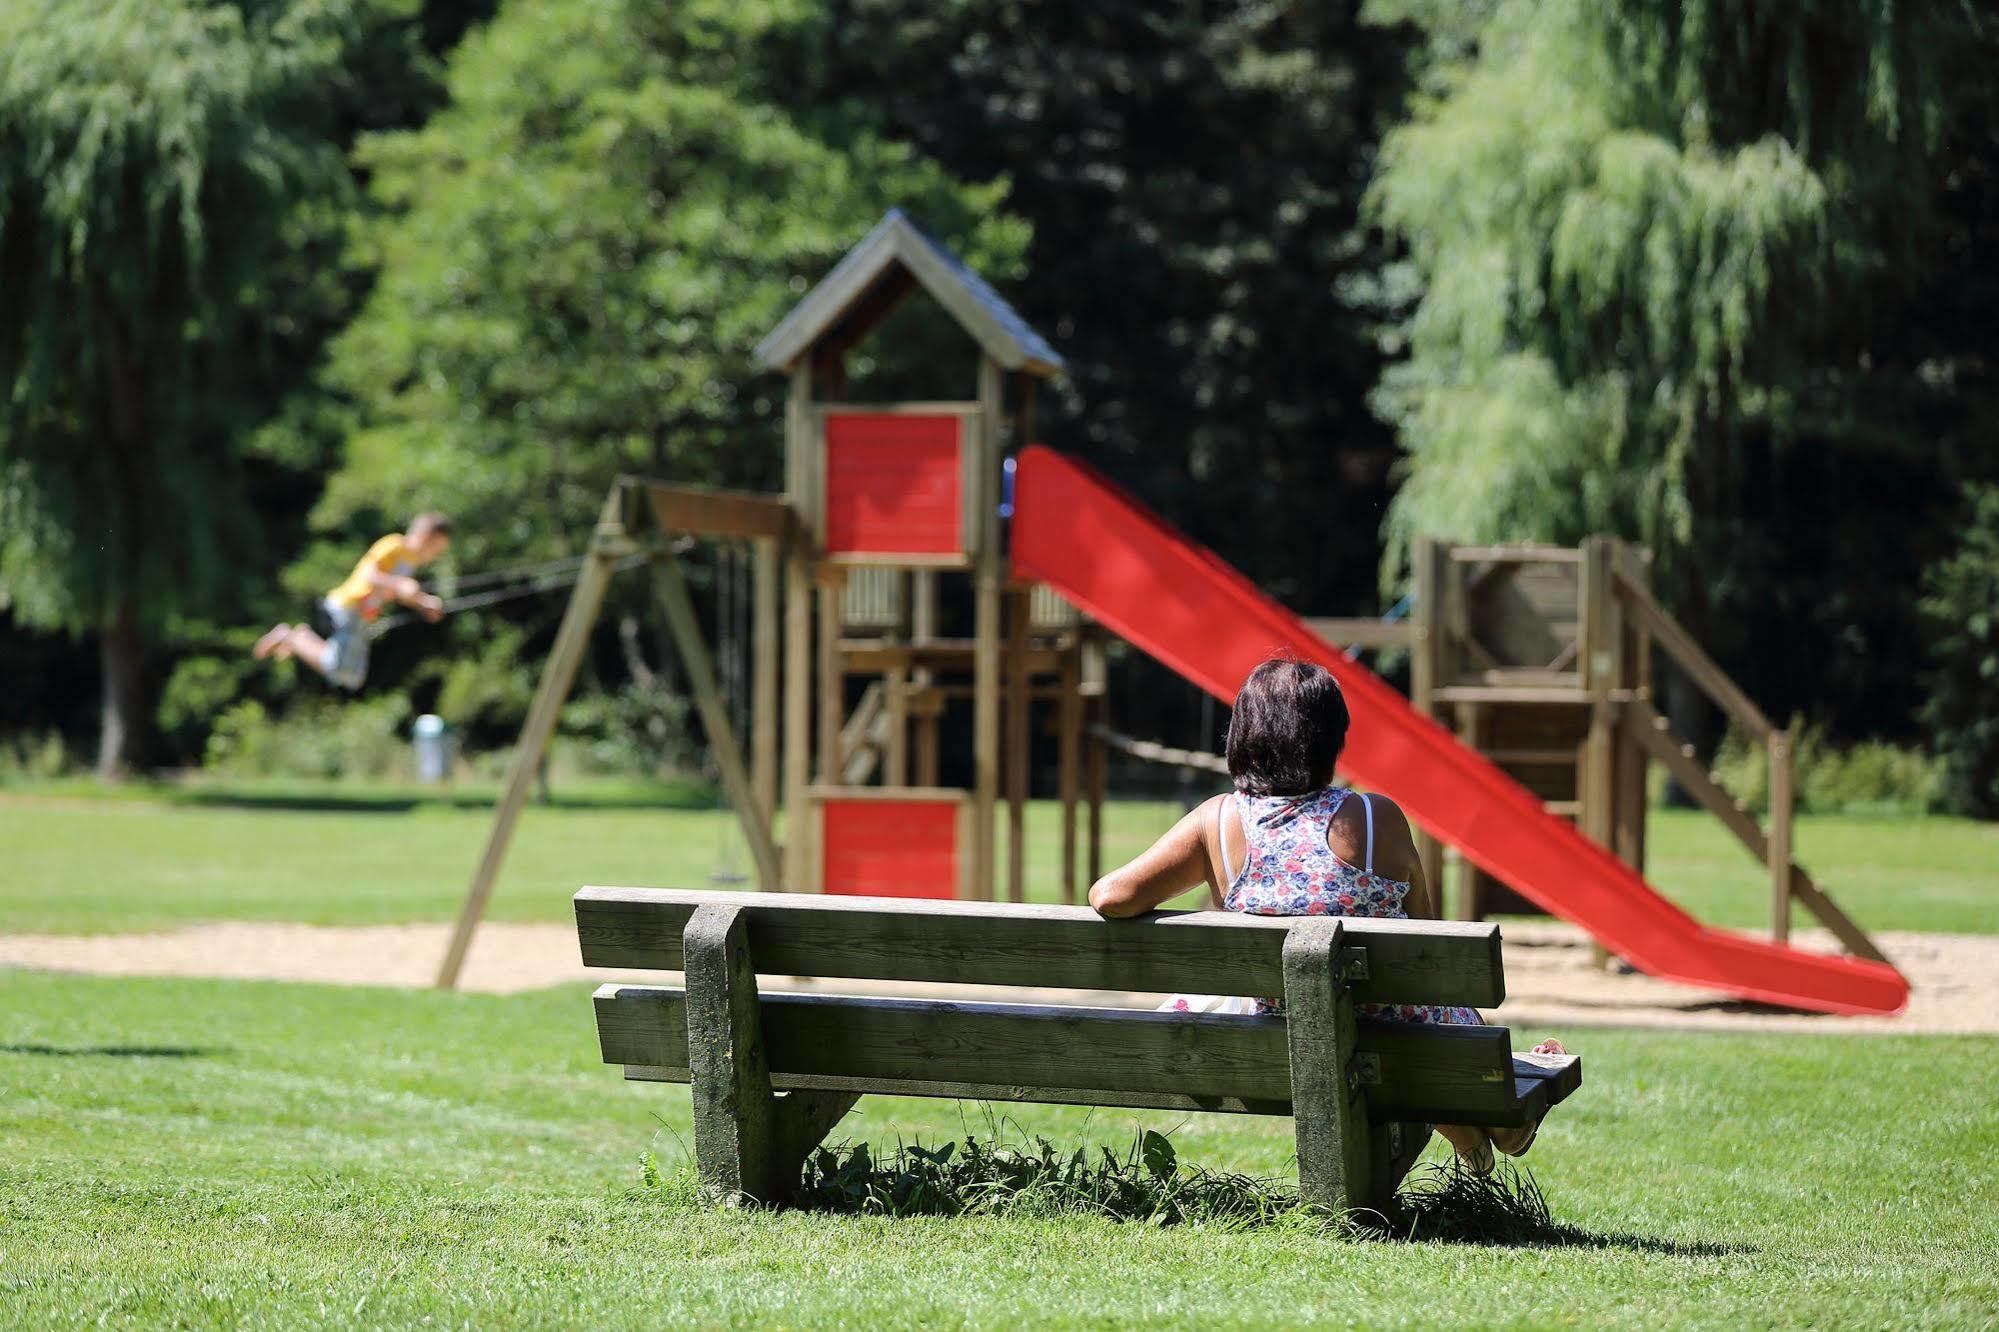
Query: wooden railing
(1788, 882)
(1360, 634)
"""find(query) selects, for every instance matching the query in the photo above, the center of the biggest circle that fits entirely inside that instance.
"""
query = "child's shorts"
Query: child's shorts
(346, 645)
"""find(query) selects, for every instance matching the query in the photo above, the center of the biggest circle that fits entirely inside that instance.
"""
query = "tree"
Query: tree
(1961, 604)
(152, 153)
(1662, 250)
(577, 257)
(1194, 176)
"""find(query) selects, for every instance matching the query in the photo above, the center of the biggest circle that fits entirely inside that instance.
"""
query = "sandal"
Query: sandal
(1532, 1130)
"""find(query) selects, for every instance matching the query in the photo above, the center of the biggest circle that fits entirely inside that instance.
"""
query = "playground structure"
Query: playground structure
(1542, 658)
(893, 512)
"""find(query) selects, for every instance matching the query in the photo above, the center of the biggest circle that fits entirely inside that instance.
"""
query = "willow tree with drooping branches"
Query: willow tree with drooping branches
(1660, 248)
(151, 153)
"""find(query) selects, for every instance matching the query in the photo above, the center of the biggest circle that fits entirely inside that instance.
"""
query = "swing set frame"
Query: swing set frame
(645, 517)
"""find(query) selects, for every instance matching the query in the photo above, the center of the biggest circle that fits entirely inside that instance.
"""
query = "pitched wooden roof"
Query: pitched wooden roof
(866, 285)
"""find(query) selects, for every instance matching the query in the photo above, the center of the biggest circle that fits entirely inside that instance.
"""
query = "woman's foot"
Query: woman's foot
(1516, 1141)
(1473, 1146)
(277, 638)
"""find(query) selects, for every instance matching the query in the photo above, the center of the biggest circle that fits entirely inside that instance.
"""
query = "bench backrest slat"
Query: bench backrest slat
(1196, 952)
(1099, 1055)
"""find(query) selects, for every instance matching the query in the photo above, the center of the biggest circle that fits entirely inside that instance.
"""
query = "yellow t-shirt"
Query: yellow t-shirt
(387, 556)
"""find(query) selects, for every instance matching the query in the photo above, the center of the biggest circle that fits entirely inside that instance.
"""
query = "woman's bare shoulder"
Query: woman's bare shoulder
(1394, 844)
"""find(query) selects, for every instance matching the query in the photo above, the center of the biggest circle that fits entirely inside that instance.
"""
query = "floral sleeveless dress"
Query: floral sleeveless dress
(1291, 871)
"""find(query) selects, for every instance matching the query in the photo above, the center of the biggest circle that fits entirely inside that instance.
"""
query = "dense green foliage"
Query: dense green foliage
(1708, 276)
(173, 203)
(208, 1154)
(582, 250)
(575, 260)
(1666, 254)
(1866, 777)
(1961, 602)
(1193, 175)
(150, 158)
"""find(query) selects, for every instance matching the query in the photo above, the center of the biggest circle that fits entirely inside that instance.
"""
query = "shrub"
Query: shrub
(1870, 777)
(30, 757)
(1960, 604)
(638, 729)
(201, 689)
(317, 738)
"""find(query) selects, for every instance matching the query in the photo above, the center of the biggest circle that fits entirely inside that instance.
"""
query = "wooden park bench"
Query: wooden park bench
(772, 1073)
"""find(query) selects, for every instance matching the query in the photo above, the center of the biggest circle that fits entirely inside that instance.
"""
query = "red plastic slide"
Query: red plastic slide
(1129, 569)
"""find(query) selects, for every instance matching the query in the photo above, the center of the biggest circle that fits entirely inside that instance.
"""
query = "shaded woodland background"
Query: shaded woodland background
(274, 272)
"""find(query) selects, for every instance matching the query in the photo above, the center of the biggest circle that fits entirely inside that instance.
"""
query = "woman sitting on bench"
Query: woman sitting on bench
(1290, 843)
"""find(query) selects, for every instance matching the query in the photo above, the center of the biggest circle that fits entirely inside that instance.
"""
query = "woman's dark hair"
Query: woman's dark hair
(1287, 730)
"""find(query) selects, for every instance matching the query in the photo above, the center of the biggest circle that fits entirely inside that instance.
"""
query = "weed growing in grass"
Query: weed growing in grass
(1147, 1184)
(992, 1177)
(1448, 1202)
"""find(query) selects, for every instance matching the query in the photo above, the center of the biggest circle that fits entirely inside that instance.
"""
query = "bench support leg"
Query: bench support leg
(749, 1141)
(1396, 1147)
(1328, 1108)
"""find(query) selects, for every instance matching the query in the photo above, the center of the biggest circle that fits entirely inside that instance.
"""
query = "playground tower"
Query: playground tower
(896, 501)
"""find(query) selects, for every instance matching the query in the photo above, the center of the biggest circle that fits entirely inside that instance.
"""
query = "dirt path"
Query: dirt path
(1550, 980)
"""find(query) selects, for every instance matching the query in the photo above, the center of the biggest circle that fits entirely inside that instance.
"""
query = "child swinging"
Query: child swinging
(383, 575)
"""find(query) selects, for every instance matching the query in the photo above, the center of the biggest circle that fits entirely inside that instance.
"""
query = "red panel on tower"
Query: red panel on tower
(891, 848)
(894, 484)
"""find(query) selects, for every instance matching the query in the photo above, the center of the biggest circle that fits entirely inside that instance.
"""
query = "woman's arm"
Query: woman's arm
(1175, 863)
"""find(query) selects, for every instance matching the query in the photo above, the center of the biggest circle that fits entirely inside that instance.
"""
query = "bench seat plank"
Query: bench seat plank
(1197, 952)
(1096, 1056)
(1561, 1074)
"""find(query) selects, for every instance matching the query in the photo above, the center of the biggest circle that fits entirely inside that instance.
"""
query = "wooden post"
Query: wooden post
(1329, 1114)
(734, 1124)
(923, 629)
(895, 761)
(986, 631)
(1471, 724)
(763, 678)
(1599, 652)
(1633, 761)
(1095, 680)
(1018, 742)
(749, 1142)
(1780, 836)
(798, 847)
(671, 589)
(1068, 740)
(801, 443)
(607, 546)
(832, 679)
(1426, 657)
(928, 707)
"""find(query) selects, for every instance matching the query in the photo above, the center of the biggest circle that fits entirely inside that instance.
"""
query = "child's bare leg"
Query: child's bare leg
(273, 639)
(307, 646)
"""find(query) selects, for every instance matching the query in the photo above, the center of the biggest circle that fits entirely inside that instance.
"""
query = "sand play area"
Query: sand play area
(1551, 980)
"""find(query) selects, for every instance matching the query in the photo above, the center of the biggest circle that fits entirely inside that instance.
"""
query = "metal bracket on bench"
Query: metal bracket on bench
(1353, 965)
(1364, 1070)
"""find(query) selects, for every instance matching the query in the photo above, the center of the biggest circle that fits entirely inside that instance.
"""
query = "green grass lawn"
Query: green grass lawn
(213, 1153)
(94, 865)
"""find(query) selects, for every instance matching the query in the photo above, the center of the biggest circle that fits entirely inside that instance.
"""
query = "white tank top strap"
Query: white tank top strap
(1222, 843)
(1367, 808)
